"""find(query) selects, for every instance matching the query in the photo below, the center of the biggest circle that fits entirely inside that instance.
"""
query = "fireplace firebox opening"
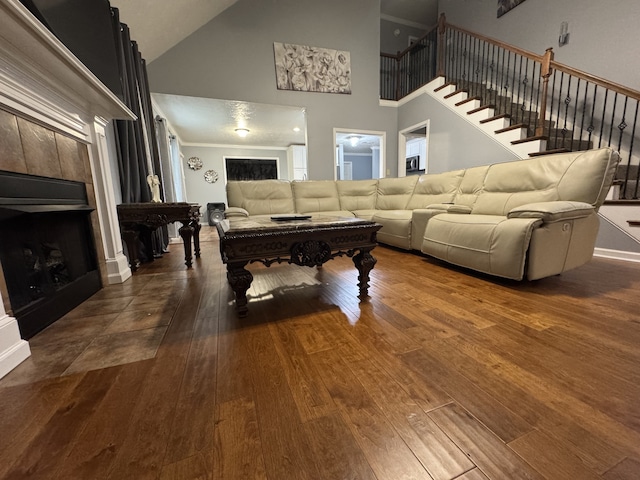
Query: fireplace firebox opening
(47, 251)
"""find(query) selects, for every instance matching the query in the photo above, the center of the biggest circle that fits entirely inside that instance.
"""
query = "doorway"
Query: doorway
(413, 152)
(359, 154)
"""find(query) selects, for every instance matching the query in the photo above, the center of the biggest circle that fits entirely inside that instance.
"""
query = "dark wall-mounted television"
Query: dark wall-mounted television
(85, 27)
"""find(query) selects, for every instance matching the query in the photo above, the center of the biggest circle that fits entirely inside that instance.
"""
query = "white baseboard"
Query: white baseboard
(617, 255)
(13, 350)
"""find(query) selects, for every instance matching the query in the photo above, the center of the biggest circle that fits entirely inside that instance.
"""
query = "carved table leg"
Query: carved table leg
(196, 237)
(240, 280)
(364, 262)
(130, 238)
(186, 232)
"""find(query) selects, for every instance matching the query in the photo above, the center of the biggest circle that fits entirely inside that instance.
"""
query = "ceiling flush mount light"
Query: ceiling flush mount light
(296, 129)
(242, 132)
(353, 140)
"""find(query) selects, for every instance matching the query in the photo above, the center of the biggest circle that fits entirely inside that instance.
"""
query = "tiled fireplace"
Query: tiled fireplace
(55, 124)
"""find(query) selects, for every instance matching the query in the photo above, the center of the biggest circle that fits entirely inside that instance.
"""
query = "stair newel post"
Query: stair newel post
(545, 73)
(442, 30)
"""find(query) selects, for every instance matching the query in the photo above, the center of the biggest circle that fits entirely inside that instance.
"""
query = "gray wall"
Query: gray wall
(453, 142)
(389, 43)
(362, 165)
(604, 35)
(202, 192)
(232, 58)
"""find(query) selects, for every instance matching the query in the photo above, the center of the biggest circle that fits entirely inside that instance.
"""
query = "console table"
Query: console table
(309, 242)
(139, 220)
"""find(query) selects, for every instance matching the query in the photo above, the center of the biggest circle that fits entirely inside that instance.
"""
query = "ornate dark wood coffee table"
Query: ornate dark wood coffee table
(309, 242)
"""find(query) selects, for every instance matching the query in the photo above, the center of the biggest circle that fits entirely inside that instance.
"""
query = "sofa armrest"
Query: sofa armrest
(450, 208)
(550, 212)
(235, 212)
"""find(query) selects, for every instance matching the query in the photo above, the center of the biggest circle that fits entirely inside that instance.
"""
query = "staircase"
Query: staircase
(529, 103)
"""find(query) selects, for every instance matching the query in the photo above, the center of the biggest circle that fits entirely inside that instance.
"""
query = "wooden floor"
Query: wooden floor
(441, 374)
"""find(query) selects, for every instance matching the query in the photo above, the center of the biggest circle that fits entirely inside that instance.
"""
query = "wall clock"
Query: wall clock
(211, 176)
(194, 163)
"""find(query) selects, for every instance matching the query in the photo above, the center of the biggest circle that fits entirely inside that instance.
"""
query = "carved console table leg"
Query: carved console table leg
(186, 232)
(240, 280)
(130, 238)
(196, 237)
(364, 262)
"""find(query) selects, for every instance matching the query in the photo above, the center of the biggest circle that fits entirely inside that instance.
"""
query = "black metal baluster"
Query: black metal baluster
(567, 101)
(613, 114)
(633, 136)
(604, 109)
(575, 113)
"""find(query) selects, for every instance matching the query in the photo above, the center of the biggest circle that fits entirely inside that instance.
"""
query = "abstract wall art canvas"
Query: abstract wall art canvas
(505, 5)
(312, 69)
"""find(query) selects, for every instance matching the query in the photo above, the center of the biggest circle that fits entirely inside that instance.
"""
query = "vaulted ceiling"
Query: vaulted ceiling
(158, 25)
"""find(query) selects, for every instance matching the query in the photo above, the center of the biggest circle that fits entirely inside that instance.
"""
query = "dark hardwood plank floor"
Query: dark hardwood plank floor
(441, 374)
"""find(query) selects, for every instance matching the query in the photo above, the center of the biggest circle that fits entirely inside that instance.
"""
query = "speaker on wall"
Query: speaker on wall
(215, 212)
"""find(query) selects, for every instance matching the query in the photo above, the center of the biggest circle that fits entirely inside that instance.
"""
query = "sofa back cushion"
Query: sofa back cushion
(471, 185)
(261, 197)
(315, 196)
(435, 188)
(357, 194)
(576, 176)
(395, 193)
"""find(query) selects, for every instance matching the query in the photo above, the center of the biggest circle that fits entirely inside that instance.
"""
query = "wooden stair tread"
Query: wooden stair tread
(630, 203)
(549, 152)
(495, 117)
(456, 92)
(479, 109)
(529, 139)
(443, 86)
(512, 127)
(470, 99)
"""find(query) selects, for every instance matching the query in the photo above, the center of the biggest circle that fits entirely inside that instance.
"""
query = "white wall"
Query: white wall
(604, 35)
(232, 58)
(202, 192)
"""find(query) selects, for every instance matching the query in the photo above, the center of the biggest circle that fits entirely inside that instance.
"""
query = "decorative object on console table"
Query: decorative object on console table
(139, 220)
(154, 185)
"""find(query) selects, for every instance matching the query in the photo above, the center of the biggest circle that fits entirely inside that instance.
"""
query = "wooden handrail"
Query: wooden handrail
(493, 41)
(616, 87)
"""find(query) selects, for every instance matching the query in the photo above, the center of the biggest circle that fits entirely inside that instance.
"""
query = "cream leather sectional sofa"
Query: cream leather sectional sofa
(523, 219)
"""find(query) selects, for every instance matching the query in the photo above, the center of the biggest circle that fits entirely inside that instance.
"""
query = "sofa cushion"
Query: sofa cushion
(365, 214)
(357, 194)
(492, 244)
(315, 196)
(262, 197)
(471, 185)
(396, 227)
(435, 188)
(395, 193)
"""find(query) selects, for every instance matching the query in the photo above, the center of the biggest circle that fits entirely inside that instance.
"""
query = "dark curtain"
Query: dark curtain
(136, 139)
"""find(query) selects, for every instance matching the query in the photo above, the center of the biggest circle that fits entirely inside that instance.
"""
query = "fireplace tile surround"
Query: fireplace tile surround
(26, 147)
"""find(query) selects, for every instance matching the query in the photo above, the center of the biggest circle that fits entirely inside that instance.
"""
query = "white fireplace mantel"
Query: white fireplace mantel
(42, 80)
